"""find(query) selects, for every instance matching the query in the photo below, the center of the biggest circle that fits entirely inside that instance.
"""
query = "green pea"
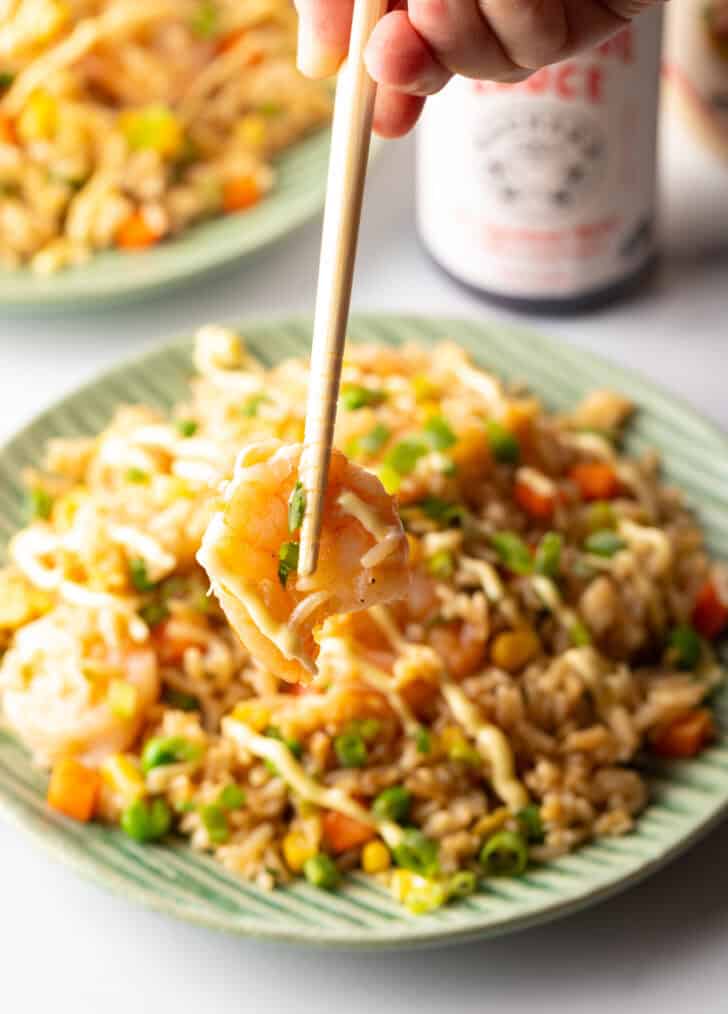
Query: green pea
(604, 543)
(187, 427)
(231, 797)
(351, 749)
(503, 444)
(161, 750)
(145, 821)
(416, 852)
(513, 552)
(530, 823)
(214, 820)
(505, 854)
(439, 434)
(393, 804)
(321, 871)
(547, 560)
(137, 475)
(684, 646)
(180, 700)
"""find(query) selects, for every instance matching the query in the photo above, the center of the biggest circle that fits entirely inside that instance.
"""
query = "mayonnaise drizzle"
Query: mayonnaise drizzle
(364, 513)
(492, 743)
(293, 774)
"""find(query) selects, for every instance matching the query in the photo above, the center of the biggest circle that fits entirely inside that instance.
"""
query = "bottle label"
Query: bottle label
(546, 189)
(696, 68)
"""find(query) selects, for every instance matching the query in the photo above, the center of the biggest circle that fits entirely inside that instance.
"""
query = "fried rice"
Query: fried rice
(559, 628)
(124, 121)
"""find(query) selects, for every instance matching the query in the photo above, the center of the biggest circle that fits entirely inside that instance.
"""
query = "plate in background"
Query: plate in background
(113, 277)
(688, 797)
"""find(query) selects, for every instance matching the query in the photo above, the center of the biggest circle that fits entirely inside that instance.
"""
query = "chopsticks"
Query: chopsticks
(350, 136)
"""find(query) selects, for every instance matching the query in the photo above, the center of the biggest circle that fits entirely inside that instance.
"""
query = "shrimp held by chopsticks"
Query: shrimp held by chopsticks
(250, 553)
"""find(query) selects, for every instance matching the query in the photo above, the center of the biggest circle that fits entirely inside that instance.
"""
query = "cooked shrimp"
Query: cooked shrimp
(249, 553)
(57, 689)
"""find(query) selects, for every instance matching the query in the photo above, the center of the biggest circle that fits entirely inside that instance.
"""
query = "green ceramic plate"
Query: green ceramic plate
(114, 277)
(687, 797)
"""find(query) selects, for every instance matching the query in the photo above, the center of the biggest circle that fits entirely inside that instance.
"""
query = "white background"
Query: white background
(66, 946)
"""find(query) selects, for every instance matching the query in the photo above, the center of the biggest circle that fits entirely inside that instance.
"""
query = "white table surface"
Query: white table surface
(68, 946)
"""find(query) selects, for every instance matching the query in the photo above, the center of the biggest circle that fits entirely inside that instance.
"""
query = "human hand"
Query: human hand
(420, 44)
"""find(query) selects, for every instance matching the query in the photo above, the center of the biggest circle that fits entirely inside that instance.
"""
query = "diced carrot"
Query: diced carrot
(135, 233)
(596, 480)
(7, 130)
(536, 503)
(342, 833)
(686, 736)
(710, 613)
(240, 193)
(73, 789)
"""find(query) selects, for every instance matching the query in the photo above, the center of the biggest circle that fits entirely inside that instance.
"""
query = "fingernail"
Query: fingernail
(313, 59)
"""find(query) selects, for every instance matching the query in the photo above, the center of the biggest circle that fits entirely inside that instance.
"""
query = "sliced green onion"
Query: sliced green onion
(423, 740)
(416, 852)
(145, 821)
(138, 575)
(40, 503)
(367, 728)
(296, 507)
(287, 561)
(187, 427)
(138, 475)
(439, 434)
(161, 750)
(513, 552)
(426, 896)
(180, 700)
(250, 406)
(154, 613)
(503, 444)
(547, 560)
(372, 442)
(684, 646)
(441, 511)
(579, 634)
(231, 797)
(6, 78)
(462, 884)
(403, 457)
(351, 749)
(354, 396)
(321, 871)
(530, 823)
(604, 543)
(600, 515)
(214, 820)
(441, 564)
(205, 22)
(505, 854)
(393, 804)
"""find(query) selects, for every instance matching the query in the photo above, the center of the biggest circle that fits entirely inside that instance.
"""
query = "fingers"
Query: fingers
(532, 32)
(398, 57)
(323, 35)
(460, 37)
(395, 113)
(592, 21)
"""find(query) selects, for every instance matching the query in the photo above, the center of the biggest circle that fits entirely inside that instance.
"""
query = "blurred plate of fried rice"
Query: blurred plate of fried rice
(686, 797)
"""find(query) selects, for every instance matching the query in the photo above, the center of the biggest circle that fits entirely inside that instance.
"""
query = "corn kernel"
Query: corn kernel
(401, 884)
(39, 118)
(121, 774)
(251, 131)
(514, 649)
(375, 857)
(122, 698)
(492, 821)
(296, 850)
(253, 714)
(451, 736)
